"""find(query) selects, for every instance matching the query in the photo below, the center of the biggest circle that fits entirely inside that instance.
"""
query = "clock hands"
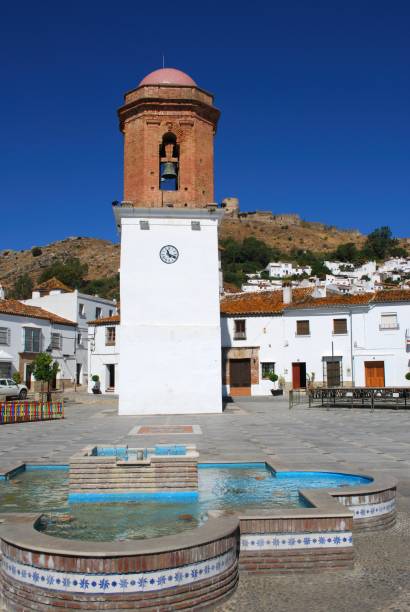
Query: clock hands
(169, 254)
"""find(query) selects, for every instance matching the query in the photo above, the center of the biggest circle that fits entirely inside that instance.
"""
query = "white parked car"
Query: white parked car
(10, 389)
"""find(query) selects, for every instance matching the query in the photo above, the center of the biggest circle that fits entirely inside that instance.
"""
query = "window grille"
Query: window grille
(56, 341)
(5, 336)
(268, 367)
(110, 336)
(240, 329)
(32, 340)
(388, 320)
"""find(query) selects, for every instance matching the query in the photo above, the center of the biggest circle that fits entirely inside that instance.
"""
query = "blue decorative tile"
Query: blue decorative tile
(118, 583)
(283, 541)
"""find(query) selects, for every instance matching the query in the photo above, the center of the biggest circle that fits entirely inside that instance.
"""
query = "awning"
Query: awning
(32, 325)
(5, 356)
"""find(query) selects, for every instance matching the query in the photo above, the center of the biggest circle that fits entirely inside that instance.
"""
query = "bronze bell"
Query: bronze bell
(168, 171)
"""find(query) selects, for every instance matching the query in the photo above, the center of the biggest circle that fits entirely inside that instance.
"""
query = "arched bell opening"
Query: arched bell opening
(169, 163)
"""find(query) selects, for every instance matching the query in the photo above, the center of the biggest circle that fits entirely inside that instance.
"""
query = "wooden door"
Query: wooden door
(111, 375)
(333, 373)
(374, 373)
(298, 375)
(240, 376)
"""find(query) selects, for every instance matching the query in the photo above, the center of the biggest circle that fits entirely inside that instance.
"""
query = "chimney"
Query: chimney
(319, 291)
(287, 292)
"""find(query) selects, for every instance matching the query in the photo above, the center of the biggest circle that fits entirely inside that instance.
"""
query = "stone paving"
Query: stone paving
(250, 429)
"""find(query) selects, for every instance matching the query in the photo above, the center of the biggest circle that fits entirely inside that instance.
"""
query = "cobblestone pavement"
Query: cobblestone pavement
(250, 429)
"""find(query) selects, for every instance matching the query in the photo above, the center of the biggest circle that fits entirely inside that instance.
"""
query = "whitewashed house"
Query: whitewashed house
(104, 353)
(361, 340)
(56, 297)
(281, 269)
(26, 331)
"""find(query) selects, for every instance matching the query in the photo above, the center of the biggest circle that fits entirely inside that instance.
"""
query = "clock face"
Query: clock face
(169, 254)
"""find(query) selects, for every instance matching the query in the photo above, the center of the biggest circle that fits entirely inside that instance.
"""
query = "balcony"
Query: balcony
(239, 335)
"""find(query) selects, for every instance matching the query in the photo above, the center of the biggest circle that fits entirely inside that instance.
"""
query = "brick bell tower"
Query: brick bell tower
(169, 125)
(170, 321)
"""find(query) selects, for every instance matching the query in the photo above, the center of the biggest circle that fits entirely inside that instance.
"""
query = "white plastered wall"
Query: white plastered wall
(170, 322)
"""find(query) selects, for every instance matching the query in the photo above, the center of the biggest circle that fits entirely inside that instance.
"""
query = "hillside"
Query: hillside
(103, 256)
(306, 235)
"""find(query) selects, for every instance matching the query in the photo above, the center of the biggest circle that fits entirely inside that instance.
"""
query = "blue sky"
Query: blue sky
(315, 101)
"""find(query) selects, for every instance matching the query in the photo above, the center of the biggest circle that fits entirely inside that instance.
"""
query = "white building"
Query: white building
(104, 353)
(361, 340)
(170, 321)
(54, 296)
(26, 331)
(281, 269)
(398, 264)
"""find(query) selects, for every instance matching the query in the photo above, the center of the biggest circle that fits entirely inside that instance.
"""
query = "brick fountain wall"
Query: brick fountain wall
(91, 474)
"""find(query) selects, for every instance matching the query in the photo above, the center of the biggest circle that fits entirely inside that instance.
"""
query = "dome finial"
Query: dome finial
(168, 76)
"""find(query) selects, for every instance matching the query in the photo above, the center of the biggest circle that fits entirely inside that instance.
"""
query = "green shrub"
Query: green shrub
(17, 378)
(36, 251)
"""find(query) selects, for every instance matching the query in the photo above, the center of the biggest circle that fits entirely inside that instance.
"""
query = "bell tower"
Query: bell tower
(170, 321)
(169, 125)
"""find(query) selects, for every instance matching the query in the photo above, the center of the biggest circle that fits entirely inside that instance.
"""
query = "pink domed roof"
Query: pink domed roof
(167, 76)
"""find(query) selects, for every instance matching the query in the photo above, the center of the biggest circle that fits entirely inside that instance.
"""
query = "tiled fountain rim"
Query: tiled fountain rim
(24, 534)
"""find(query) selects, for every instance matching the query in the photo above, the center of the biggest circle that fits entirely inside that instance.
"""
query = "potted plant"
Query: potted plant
(96, 388)
(273, 378)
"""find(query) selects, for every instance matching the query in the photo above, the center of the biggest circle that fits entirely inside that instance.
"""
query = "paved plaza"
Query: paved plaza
(251, 429)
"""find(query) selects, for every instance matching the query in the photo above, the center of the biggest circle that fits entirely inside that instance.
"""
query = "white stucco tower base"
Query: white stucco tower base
(170, 320)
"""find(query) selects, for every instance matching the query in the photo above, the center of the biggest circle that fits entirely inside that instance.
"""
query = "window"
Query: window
(5, 336)
(32, 340)
(389, 320)
(110, 312)
(110, 336)
(340, 326)
(302, 328)
(5, 368)
(81, 310)
(268, 367)
(79, 339)
(240, 329)
(98, 313)
(56, 341)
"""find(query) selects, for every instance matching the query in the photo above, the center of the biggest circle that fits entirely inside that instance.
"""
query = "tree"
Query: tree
(22, 288)
(71, 272)
(347, 252)
(319, 269)
(380, 243)
(45, 370)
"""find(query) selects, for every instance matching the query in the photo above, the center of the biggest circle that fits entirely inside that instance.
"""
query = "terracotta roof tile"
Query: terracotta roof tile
(113, 320)
(260, 302)
(271, 302)
(52, 284)
(14, 307)
(392, 295)
(335, 300)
